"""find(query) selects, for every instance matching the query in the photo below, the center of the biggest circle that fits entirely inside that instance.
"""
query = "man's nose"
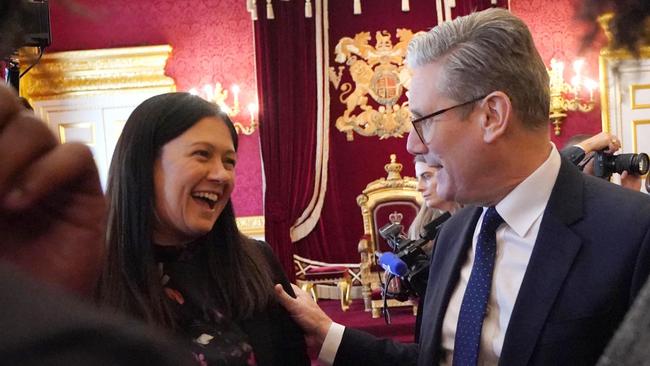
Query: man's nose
(414, 145)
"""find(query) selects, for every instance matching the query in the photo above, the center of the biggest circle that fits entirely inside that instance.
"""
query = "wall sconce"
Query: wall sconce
(218, 95)
(569, 97)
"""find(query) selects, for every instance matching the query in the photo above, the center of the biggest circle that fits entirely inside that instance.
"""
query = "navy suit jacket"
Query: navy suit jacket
(591, 257)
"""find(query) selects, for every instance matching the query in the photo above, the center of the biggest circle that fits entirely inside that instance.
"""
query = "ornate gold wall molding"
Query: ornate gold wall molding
(378, 71)
(251, 225)
(609, 61)
(93, 71)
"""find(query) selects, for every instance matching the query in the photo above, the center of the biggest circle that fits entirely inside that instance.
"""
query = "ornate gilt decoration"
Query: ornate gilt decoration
(95, 71)
(379, 72)
(251, 225)
(567, 97)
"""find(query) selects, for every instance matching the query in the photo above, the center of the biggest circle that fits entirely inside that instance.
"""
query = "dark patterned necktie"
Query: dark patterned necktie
(474, 305)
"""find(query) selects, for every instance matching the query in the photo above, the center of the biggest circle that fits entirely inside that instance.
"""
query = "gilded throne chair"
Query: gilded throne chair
(382, 201)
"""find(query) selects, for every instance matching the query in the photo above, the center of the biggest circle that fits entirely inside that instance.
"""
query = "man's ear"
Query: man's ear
(495, 120)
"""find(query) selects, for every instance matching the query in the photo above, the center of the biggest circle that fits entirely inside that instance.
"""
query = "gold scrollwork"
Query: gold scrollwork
(377, 71)
(96, 71)
(251, 225)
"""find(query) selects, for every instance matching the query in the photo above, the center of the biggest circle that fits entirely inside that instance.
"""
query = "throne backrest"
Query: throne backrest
(401, 212)
(394, 198)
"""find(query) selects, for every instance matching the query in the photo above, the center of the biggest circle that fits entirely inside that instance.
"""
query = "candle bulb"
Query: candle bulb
(591, 85)
(577, 66)
(252, 110)
(209, 94)
(235, 93)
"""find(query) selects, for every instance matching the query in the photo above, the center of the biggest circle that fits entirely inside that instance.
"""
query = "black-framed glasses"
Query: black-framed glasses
(417, 122)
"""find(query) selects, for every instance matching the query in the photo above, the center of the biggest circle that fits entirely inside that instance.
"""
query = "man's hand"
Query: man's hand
(631, 181)
(307, 314)
(52, 209)
(602, 141)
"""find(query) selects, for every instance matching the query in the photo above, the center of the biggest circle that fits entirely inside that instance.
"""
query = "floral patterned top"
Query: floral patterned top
(216, 339)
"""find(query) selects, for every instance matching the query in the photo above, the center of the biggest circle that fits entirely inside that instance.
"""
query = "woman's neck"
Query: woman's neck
(168, 240)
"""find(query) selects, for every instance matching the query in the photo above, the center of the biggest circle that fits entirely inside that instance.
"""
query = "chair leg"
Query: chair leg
(310, 289)
(376, 313)
(344, 293)
(366, 293)
(348, 293)
(415, 310)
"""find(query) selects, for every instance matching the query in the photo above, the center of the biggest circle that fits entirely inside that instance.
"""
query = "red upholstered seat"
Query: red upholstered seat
(326, 275)
(322, 273)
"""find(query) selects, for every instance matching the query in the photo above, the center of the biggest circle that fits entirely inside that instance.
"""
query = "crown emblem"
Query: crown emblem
(395, 217)
(393, 168)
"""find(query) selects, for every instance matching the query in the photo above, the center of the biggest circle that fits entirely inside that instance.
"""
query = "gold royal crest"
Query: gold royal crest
(376, 71)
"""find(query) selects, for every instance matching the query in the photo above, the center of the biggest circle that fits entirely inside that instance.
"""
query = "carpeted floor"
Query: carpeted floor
(401, 327)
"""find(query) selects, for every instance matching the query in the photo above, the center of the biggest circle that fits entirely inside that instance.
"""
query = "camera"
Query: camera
(605, 164)
(410, 253)
(27, 23)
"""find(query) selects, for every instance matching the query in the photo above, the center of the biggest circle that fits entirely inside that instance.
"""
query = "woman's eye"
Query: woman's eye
(202, 153)
(230, 162)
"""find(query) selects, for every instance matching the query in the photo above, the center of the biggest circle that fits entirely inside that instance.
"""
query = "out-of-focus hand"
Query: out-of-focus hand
(631, 181)
(304, 310)
(52, 209)
(602, 141)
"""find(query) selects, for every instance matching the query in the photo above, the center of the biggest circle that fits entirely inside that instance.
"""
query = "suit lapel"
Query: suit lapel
(450, 254)
(550, 263)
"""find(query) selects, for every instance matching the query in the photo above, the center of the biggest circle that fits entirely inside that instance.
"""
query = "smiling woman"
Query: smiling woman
(193, 179)
(175, 256)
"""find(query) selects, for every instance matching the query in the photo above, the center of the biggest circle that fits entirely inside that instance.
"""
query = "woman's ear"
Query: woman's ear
(496, 116)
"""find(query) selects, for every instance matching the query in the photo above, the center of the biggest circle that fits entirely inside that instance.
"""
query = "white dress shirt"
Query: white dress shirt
(522, 210)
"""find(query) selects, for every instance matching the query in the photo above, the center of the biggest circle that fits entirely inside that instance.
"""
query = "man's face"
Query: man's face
(452, 143)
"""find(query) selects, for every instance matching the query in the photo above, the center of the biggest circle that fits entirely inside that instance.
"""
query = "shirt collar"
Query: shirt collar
(524, 204)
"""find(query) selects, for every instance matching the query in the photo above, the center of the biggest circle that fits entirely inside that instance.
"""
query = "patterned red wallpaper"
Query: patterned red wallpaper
(557, 34)
(212, 41)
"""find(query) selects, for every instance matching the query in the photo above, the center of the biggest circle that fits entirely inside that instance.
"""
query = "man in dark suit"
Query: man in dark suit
(542, 265)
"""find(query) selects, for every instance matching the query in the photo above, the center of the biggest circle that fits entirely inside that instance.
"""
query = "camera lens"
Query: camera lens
(642, 164)
(636, 164)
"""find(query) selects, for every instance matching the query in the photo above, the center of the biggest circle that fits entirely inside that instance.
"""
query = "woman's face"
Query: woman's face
(427, 184)
(193, 179)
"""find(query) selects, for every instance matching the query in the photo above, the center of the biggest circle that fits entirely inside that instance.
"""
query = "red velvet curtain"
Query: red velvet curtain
(286, 76)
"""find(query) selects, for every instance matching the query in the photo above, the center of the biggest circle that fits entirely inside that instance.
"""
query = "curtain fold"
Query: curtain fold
(286, 76)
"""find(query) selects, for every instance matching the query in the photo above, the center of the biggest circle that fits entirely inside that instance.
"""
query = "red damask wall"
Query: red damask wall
(557, 34)
(212, 41)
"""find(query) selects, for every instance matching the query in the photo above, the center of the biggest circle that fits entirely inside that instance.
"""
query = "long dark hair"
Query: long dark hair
(131, 280)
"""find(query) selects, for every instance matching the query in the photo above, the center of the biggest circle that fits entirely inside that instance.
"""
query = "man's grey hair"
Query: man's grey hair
(486, 51)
